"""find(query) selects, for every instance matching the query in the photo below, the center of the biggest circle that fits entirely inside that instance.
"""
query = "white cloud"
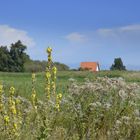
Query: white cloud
(129, 29)
(76, 37)
(128, 35)
(135, 27)
(10, 35)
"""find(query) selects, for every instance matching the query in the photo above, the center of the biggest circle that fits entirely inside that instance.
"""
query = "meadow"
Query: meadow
(70, 105)
(23, 81)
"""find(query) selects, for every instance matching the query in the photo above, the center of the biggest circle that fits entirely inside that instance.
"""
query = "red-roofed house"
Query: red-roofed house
(91, 66)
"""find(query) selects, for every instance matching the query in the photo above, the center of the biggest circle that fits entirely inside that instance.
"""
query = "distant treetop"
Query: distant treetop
(118, 65)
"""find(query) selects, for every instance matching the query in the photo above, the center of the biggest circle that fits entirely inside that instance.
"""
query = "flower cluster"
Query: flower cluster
(110, 105)
(58, 101)
(51, 72)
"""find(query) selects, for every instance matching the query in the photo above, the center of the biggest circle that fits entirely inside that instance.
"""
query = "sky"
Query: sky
(77, 30)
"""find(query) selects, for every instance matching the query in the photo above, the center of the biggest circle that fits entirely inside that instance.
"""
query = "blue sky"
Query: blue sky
(77, 30)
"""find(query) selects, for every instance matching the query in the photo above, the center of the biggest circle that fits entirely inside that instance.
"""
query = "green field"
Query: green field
(22, 81)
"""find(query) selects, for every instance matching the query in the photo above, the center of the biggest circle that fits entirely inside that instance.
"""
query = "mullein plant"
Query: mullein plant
(48, 74)
(58, 101)
(33, 96)
(1, 100)
(12, 111)
(3, 112)
(50, 88)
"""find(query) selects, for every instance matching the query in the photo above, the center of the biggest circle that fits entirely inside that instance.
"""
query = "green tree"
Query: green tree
(18, 56)
(6, 62)
(118, 65)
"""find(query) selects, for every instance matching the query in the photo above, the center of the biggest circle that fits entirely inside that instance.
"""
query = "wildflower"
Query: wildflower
(6, 119)
(15, 126)
(13, 109)
(12, 90)
(58, 101)
(1, 105)
(54, 70)
(53, 85)
(123, 94)
(125, 118)
(118, 123)
(57, 106)
(34, 98)
(33, 77)
(96, 104)
(33, 94)
(1, 89)
(49, 50)
(137, 112)
(107, 106)
(59, 96)
(49, 58)
(18, 101)
(48, 75)
(1, 101)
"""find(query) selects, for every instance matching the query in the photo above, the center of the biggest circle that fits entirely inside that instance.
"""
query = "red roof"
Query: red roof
(90, 65)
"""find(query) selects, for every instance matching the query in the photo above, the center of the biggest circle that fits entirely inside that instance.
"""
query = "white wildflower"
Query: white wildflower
(96, 104)
(125, 118)
(118, 122)
(137, 112)
(107, 106)
(123, 94)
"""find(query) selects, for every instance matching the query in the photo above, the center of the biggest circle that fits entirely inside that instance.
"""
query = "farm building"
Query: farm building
(91, 66)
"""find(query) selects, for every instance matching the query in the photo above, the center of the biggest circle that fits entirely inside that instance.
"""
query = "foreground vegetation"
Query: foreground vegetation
(106, 109)
(76, 106)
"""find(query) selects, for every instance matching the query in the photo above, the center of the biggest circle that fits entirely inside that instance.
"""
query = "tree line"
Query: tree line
(15, 59)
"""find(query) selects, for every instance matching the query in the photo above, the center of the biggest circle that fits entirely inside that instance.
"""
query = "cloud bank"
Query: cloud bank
(76, 37)
(10, 35)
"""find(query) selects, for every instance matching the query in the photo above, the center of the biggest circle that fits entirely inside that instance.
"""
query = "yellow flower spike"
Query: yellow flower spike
(1, 107)
(33, 96)
(53, 85)
(58, 101)
(33, 76)
(1, 88)
(13, 103)
(12, 90)
(59, 96)
(10, 100)
(49, 50)
(18, 101)
(48, 75)
(6, 119)
(13, 110)
(49, 58)
(57, 106)
(54, 69)
(15, 126)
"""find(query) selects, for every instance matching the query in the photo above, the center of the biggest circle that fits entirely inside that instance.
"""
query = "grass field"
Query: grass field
(22, 81)
(102, 108)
